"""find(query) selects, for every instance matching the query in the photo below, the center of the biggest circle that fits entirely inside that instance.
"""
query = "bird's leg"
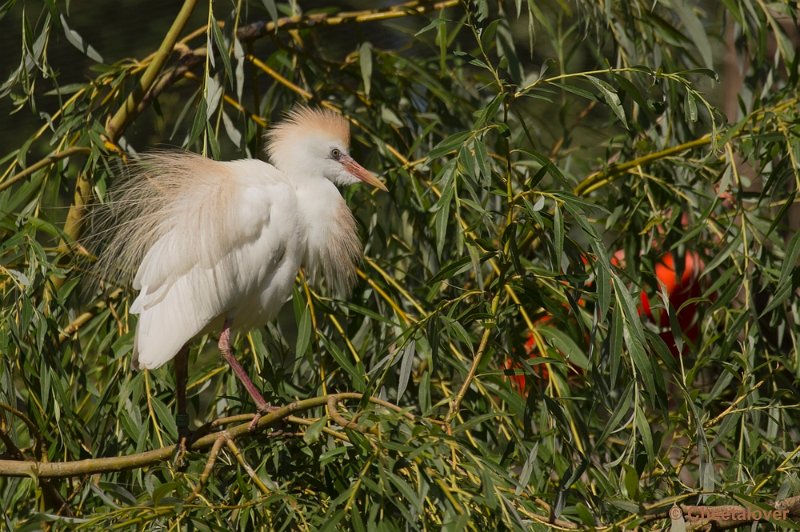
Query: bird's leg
(262, 406)
(181, 418)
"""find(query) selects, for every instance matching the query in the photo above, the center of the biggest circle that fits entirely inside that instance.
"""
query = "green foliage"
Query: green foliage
(523, 144)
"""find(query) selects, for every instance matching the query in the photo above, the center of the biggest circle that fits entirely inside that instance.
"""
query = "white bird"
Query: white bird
(216, 246)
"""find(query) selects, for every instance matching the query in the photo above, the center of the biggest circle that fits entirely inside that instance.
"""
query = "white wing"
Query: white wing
(225, 237)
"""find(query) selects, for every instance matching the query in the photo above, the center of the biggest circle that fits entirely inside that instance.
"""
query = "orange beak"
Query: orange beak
(361, 173)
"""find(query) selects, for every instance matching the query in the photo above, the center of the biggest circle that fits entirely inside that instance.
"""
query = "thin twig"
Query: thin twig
(46, 161)
(189, 58)
(256, 30)
(326, 430)
(34, 432)
(11, 448)
(456, 403)
(333, 413)
(212, 458)
(279, 78)
(247, 467)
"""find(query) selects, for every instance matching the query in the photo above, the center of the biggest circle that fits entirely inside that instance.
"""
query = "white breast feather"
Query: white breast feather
(333, 246)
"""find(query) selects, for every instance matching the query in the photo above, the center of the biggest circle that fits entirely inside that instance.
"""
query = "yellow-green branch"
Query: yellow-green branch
(38, 165)
(115, 127)
(119, 463)
(260, 29)
(600, 178)
(456, 403)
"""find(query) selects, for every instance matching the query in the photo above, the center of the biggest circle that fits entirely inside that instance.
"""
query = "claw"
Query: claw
(181, 451)
(185, 438)
(254, 423)
(262, 409)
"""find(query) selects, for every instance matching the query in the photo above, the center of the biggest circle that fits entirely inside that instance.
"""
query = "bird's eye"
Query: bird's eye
(336, 153)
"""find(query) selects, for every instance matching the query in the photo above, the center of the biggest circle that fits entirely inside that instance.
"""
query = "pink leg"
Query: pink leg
(225, 348)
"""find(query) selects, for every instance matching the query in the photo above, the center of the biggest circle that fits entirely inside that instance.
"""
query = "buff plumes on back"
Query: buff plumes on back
(156, 191)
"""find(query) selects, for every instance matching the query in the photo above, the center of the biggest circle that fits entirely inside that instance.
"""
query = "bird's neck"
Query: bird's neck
(303, 172)
(332, 244)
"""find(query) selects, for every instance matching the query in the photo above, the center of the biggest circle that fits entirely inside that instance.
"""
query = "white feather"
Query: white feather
(233, 234)
(207, 242)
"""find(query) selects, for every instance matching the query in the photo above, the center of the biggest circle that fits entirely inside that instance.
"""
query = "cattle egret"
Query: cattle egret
(216, 246)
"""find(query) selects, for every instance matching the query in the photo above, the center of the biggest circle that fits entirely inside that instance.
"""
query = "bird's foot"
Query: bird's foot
(181, 449)
(262, 409)
(185, 440)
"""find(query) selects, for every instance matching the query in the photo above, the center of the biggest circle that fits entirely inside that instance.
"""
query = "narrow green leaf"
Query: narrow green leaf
(690, 107)
(611, 98)
(303, 333)
(442, 218)
(558, 236)
(271, 8)
(566, 345)
(527, 469)
(313, 432)
(407, 364)
(621, 414)
(631, 480)
(222, 49)
(365, 61)
(77, 41)
(696, 30)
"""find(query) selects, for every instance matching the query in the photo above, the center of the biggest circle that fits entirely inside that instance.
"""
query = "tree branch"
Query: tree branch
(256, 30)
(601, 178)
(90, 466)
(38, 446)
(456, 403)
(41, 163)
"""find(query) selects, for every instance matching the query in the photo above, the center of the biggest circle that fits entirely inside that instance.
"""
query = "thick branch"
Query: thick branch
(73, 225)
(90, 466)
(116, 126)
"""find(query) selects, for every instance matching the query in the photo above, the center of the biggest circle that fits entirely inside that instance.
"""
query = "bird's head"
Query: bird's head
(315, 142)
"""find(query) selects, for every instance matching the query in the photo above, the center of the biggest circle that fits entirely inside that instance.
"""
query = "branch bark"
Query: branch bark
(455, 405)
